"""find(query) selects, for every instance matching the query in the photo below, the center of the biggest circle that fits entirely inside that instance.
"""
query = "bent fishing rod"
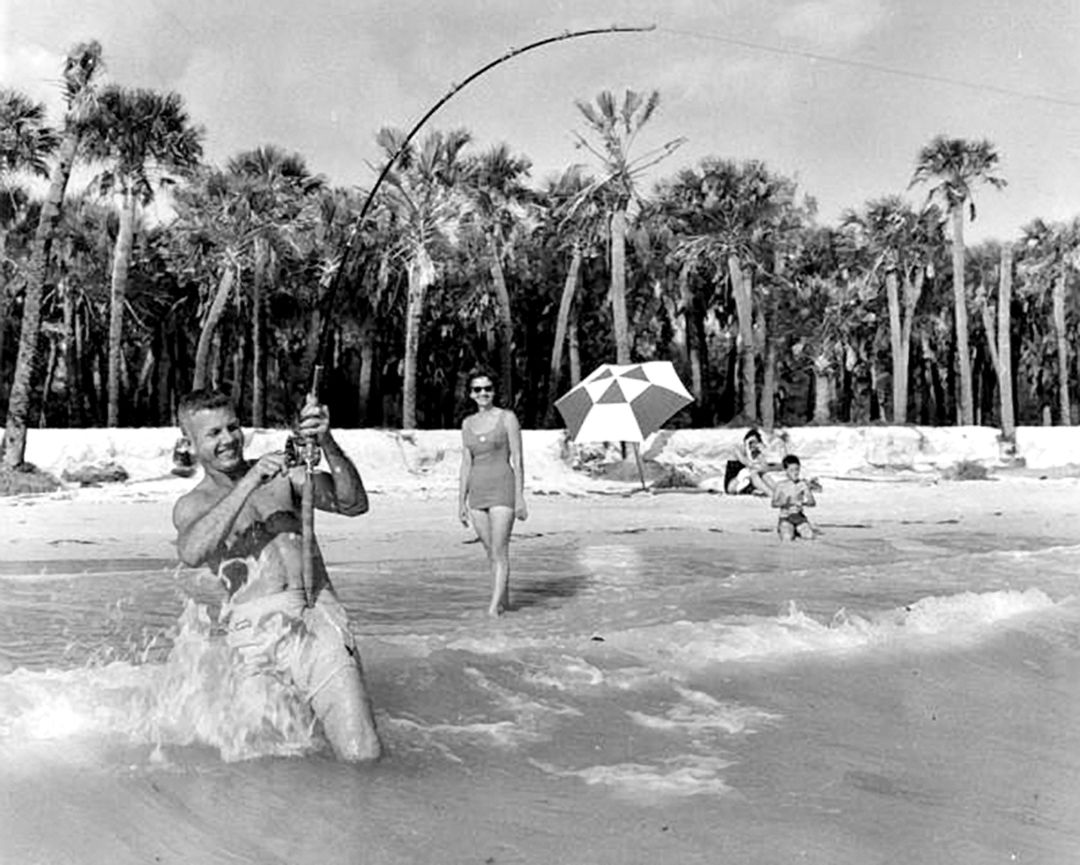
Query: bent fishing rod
(351, 244)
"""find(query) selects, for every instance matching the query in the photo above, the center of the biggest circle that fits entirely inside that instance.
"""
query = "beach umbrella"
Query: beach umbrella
(623, 403)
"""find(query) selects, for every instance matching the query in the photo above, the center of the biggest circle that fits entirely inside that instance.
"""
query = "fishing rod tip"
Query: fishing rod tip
(632, 27)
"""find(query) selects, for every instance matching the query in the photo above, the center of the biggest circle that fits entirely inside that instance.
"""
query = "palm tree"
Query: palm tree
(26, 144)
(574, 222)
(81, 66)
(1052, 253)
(142, 136)
(504, 211)
(817, 313)
(81, 258)
(890, 240)
(426, 200)
(739, 212)
(955, 165)
(276, 194)
(989, 257)
(673, 219)
(212, 231)
(617, 128)
(366, 284)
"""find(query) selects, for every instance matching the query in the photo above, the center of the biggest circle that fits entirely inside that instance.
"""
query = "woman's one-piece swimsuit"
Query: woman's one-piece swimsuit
(491, 480)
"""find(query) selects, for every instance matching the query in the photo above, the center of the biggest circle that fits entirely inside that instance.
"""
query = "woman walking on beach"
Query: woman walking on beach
(491, 490)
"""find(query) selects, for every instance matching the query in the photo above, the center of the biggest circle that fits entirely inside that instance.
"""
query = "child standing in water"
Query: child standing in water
(791, 495)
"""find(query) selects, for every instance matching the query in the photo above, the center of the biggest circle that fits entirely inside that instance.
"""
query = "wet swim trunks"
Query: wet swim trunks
(796, 519)
(491, 480)
(302, 646)
(230, 562)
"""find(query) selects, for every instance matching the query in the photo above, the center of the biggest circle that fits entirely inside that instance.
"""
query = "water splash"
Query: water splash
(197, 696)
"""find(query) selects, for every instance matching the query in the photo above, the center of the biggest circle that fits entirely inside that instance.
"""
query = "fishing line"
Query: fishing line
(873, 67)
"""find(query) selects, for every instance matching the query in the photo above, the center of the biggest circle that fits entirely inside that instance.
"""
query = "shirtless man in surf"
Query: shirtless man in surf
(242, 520)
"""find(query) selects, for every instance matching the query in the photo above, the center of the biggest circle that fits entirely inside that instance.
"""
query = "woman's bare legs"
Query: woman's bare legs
(494, 526)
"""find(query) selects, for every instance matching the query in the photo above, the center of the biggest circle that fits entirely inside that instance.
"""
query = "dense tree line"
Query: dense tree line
(723, 267)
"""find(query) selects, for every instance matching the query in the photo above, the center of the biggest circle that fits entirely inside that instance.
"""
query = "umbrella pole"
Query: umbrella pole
(640, 464)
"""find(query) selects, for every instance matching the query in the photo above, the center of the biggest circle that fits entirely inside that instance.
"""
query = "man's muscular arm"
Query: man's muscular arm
(203, 523)
(340, 490)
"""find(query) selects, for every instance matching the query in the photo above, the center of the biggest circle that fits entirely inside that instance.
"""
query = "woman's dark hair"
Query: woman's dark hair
(480, 372)
(465, 406)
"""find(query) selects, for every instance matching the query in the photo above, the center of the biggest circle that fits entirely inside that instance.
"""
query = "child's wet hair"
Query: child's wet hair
(790, 460)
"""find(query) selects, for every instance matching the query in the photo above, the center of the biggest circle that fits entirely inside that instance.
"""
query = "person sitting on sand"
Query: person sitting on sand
(491, 488)
(791, 494)
(243, 521)
(746, 473)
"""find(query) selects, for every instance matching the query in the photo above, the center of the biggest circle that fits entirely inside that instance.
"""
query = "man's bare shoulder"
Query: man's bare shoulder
(195, 502)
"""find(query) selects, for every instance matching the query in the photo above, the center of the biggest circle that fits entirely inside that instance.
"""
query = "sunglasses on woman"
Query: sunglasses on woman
(484, 389)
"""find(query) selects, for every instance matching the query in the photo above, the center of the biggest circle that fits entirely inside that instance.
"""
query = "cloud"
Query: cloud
(34, 71)
(831, 24)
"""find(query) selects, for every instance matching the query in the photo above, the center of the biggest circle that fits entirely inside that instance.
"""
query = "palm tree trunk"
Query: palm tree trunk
(414, 311)
(117, 299)
(982, 303)
(506, 330)
(562, 323)
(26, 363)
(71, 360)
(163, 402)
(573, 349)
(85, 382)
(620, 323)
(822, 391)
(367, 363)
(896, 342)
(1058, 303)
(4, 305)
(50, 374)
(238, 363)
(768, 387)
(144, 386)
(963, 352)
(690, 323)
(744, 310)
(258, 363)
(368, 335)
(912, 291)
(206, 333)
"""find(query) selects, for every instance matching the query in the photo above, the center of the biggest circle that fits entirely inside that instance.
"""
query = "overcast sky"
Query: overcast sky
(839, 94)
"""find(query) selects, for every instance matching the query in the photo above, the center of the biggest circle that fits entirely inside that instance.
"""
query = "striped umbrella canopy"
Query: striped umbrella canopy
(623, 402)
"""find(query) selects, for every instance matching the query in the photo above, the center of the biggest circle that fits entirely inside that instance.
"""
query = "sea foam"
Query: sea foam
(683, 645)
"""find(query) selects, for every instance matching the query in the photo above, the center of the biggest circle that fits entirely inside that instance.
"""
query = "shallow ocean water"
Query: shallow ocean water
(656, 696)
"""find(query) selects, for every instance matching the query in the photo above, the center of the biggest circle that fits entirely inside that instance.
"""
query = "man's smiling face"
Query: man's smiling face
(216, 439)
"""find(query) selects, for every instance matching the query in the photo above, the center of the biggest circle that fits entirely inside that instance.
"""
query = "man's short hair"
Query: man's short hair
(201, 400)
(790, 460)
(752, 434)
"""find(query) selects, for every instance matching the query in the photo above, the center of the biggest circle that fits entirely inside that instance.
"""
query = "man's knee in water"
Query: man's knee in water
(344, 711)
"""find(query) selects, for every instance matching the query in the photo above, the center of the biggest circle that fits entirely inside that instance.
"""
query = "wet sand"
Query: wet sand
(134, 520)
